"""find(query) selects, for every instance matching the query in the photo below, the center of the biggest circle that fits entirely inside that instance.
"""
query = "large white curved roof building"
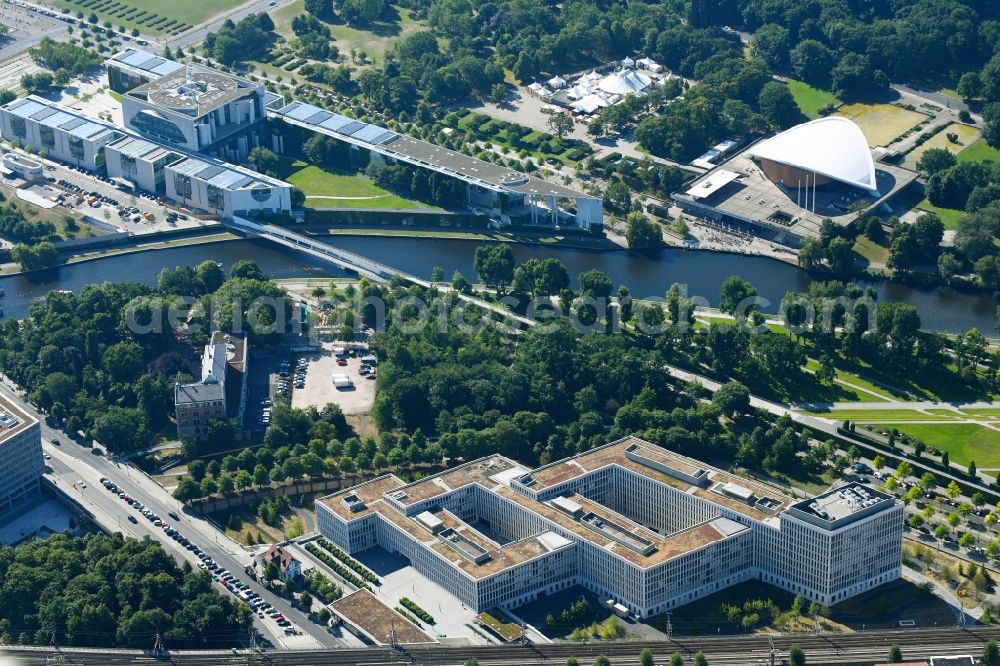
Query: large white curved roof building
(821, 151)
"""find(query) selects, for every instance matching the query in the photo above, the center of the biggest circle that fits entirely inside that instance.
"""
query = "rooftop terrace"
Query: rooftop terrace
(13, 419)
(376, 620)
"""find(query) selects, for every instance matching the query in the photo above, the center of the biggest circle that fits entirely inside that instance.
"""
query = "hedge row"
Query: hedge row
(337, 567)
(408, 617)
(349, 561)
(417, 610)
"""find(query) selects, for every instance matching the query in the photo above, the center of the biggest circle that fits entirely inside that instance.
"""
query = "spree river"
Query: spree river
(647, 274)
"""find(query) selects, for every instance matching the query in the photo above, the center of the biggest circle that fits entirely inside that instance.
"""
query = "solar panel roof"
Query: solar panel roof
(226, 178)
(350, 128)
(73, 124)
(57, 119)
(27, 109)
(319, 117)
(210, 172)
(44, 113)
(88, 130)
(242, 182)
(372, 134)
(336, 122)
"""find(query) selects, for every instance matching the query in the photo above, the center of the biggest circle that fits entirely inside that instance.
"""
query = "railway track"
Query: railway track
(821, 649)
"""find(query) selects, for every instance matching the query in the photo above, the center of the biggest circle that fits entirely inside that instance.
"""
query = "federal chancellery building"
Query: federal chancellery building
(640, 526)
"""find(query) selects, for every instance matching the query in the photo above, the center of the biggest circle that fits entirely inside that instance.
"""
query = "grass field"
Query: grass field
(152, 17)
(964, 442)
(395, 24)
(871, 251)
(879, 415)
(811, 99)
(881, 123)
(967, 137)
(949, 216)
(327, 189)
(979, 151)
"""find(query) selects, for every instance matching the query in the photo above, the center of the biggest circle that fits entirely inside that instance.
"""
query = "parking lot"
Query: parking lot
(318, 389)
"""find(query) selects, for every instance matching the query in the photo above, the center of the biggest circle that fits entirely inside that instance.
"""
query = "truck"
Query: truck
(342, 381)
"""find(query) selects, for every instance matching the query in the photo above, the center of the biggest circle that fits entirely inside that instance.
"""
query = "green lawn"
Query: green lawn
(877, 415)
(949, 216)
(967, 136)
(964, 442)
(871, 251)
(328, 189)
(881, 123)
(985, 411)
(979, 151)
(151, 17)
(811, 99)
(394, 25)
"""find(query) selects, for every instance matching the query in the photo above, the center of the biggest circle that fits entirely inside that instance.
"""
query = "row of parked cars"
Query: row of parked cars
(219, 575)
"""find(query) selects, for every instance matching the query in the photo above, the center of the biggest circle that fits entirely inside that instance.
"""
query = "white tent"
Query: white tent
(544, 92)
(592, 76)
(578, 92)
(534, 87)
(650, 65)
(628, 62)
(557, 82)
(589, 104)
(625, 82)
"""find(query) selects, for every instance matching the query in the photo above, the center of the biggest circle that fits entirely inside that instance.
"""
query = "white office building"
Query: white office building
(197, 109)
(198, 182)
(131, 68)
(640, 526)
(63, 134)
(21, 463)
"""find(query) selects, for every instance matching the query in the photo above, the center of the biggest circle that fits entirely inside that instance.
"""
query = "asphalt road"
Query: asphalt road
(197, 34)
(70, 464)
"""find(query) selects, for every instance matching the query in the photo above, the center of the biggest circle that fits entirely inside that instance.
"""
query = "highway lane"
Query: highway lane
(71, 463)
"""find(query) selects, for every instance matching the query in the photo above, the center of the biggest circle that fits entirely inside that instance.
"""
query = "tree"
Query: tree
(812, 61)
(735, 291)
(895, 655)
(676, 659)
(934, 160)
(732, 398)
(361, 12)
(560, 124)
(263, 160)
(991, 124)
(854, 77)
(641, 232)
(699, 659)
(940, 532)
(953, 490)
(646, 657)
(305, 602)
(595, 283)
(495, 264)
(778, 106)
(319, 8)
(771, 44)
(602, 660)
(796, 657)
(991, 653)
(35, 257)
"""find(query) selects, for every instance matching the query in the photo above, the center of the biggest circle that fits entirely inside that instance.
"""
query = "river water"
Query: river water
(647, 274)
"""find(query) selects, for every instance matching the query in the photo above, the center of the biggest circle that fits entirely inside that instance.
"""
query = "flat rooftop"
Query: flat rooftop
(413, 151)
(193, 91)
(224, 176)
(149, 65)
(13, 419)
(488, 472)
(842, 505)
(369, 494)
(738, 188)
(50, 114)
(141, 149)
(376, 620)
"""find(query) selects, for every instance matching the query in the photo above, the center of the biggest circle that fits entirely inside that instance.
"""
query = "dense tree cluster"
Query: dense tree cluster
(856, 48)
(16, 227)
(106, 360)
(557, 391)
(419, 184)
(248, 39)
(109, 591)
(64, 56)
